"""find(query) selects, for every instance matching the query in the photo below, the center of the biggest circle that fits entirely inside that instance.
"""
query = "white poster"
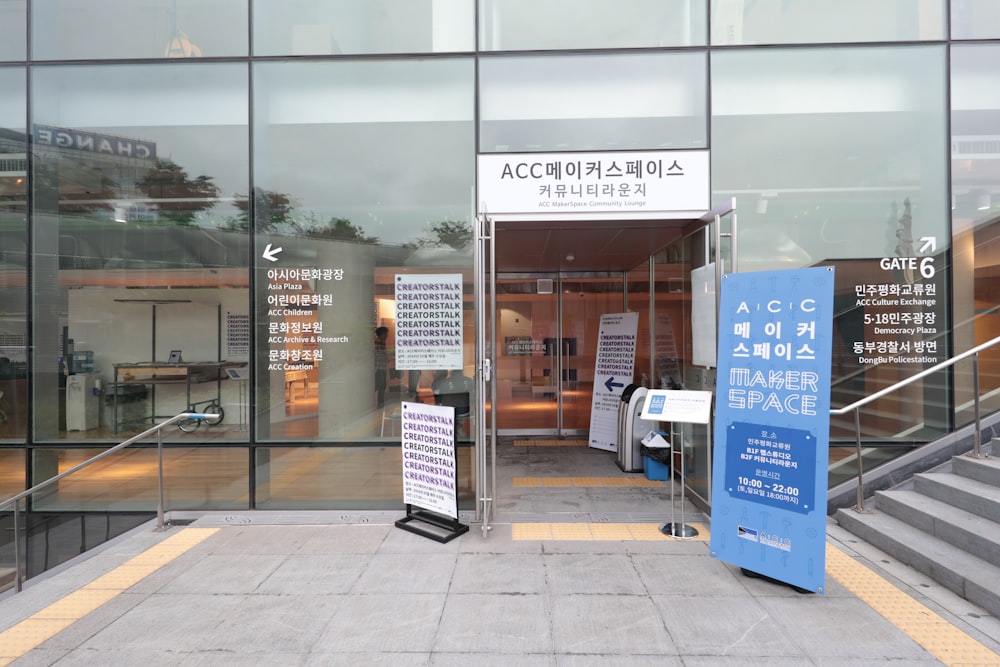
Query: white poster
(428, 448)
(428, 322)
(703, 315)
(612, 372)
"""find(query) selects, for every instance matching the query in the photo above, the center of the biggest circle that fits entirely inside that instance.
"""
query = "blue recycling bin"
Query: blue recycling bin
(656, 459)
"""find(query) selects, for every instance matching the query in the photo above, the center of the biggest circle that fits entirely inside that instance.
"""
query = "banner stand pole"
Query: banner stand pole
(675, 529)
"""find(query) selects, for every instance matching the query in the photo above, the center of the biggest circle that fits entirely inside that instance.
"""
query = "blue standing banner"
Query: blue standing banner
(772, 424)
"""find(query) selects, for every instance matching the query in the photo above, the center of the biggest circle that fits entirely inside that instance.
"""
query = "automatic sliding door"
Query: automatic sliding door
(584, 300)
(527, 357)
(546, 349)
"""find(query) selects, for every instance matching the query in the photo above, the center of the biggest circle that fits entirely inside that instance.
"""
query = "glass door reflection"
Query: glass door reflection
(547, 330)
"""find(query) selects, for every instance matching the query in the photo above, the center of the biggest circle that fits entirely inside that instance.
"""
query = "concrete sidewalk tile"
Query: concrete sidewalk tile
(398, 573)
(612, 624)
(717, 625)
(381, 623)
(499, 573)
(567, 574)
(494, 623)
(229, 574)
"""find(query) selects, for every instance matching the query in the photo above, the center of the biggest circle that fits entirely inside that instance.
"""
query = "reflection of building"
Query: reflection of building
(145, 237)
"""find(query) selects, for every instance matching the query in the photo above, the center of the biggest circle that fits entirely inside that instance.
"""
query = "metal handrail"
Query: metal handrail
(857, 405)
(160, 523)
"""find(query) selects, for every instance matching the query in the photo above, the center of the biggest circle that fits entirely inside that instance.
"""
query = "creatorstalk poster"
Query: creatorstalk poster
(772, 425)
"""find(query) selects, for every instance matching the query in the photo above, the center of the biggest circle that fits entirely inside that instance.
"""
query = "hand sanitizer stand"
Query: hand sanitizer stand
(677, 406)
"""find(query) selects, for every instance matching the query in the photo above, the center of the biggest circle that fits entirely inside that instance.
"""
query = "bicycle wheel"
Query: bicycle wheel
(189, 425)
(216, 412)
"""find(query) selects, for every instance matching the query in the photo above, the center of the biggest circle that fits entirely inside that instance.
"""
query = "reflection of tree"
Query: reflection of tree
(272, 209)
(340, 229)
(167, 181)
(451, 233)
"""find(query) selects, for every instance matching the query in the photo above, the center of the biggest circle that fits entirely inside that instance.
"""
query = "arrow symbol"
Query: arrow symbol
(611, 384)
(928, 242)
(269, 253)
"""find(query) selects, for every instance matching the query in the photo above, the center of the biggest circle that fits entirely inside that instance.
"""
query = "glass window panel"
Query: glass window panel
(101, 29)
(320, 27)
(513, 25)
(593, 102)
(364, 171)
(343, 478)
(975, 173)
(784, 22)
(838, 157)
(194, 478)
(137, 178)
(975, 19)
(13, 29)
(11, 472)
(13, 235)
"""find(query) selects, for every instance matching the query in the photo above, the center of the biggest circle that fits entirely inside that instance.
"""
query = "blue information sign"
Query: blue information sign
(772, 424)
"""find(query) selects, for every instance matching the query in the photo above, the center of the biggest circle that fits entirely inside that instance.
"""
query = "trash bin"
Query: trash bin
(630, 428)
(655, 452)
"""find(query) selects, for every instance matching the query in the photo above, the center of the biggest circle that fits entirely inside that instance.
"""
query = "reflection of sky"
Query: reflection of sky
(391, 179)
(388, 146)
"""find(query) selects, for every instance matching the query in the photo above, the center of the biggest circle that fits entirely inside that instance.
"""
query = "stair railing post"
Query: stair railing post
(159, 504)
(17, 547)
(976, 453)
(860, 506)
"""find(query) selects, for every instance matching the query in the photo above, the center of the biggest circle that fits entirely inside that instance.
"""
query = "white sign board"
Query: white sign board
(428, 321)
(680, 405)
(612, 372)
(595, 184)
(703, 316)
(428, 447)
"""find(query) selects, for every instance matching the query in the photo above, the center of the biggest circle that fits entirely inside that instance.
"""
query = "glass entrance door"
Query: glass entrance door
(547, 329)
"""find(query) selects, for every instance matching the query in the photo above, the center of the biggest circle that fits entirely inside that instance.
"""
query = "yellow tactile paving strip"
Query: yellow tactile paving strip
(565, 532)
(939, 637)
(528, 482)
(550, 443)
(33, 631)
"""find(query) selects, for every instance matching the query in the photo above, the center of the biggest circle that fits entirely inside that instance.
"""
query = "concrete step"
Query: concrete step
(960, 572)
(6, 578)
(969, 532)
(985, 470)
(958, 491)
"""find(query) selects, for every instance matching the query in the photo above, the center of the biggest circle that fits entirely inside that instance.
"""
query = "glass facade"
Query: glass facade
(214, 210)
(361, 169)
(975, 204)
(525, 25)
(975, 19)
(591, 102)
(822, 21)
(106, 29)
(13, 35)
(327, 27)
(13, 257)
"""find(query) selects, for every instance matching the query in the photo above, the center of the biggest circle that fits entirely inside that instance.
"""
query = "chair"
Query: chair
(391, 414)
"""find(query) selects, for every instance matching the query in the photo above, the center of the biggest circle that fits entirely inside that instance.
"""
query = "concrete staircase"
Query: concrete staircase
(944, 523)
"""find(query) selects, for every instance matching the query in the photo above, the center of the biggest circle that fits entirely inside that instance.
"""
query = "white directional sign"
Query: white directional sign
(612, 371)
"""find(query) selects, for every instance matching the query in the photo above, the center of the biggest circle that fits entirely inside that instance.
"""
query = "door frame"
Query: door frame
(484, 267)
